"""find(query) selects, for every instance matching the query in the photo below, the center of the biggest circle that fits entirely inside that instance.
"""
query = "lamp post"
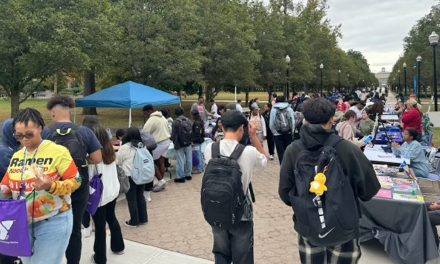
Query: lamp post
(321, 67)
(400, 87)
(348, 82)
(433, 40)
(286, 94)
(339, 80)
(404, 79)
(419, 62)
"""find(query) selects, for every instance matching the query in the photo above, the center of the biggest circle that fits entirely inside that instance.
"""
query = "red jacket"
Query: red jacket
(412, 119)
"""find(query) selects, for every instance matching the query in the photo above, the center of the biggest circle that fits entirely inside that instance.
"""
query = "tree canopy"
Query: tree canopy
(174, 45)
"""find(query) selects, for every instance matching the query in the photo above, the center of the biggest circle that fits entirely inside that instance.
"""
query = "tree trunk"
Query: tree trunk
(89, 88)
(15, 102)
(208, 94)
(247, 96)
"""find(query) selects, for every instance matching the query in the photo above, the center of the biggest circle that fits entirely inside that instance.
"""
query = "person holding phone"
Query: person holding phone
(44, 174)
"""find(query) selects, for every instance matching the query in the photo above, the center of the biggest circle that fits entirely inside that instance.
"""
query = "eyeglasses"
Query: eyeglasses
(27, 135)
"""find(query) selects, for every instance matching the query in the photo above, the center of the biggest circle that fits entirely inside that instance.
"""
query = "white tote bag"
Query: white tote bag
(109, 180)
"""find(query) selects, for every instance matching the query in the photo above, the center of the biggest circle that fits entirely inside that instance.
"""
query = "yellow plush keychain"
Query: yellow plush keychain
(317, 186)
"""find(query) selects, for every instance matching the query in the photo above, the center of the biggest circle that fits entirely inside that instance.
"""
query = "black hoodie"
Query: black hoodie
(360, 170)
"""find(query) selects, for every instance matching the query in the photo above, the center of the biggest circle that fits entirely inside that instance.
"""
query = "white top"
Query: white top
(239, 108)
(109, 180)
(249, 161)
(125, 157)
(214, 109)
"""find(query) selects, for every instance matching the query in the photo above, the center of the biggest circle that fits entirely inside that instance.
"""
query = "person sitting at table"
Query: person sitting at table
(347, 129)
(366, 125)
(412, 117)
(411, 149)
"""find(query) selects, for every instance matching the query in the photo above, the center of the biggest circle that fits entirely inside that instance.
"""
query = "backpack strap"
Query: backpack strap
(235, 155)
(215, 151)
(333, 140)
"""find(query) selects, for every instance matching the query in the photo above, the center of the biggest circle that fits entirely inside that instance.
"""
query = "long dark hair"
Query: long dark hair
(90, 121)
(108, 153)
(133, 136)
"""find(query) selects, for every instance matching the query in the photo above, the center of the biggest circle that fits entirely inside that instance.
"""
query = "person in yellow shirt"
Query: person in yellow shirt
(44, 174)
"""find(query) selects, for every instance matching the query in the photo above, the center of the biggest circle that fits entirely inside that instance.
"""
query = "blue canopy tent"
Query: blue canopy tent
(128, 95)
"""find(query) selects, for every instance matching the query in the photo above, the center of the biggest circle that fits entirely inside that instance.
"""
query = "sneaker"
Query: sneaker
(147, 196)
(144, 223)
(271, 157)
(119, 252)
(127, 223)
(160, 186)
(87, 231)
(188, 178)
(182, 180)
(92, 259)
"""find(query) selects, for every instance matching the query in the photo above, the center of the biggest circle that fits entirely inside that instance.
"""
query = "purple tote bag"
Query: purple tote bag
(14, 232)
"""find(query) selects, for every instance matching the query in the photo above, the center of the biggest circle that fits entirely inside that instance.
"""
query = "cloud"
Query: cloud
(377, 27)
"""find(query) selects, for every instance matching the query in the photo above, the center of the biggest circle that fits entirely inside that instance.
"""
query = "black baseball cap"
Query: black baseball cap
(233, 119)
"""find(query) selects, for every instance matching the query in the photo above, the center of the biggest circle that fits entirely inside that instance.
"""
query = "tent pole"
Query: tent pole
(235, 94)
(129, 118)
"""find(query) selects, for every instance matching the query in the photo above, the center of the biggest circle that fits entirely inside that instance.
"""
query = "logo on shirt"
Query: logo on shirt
(5, 226)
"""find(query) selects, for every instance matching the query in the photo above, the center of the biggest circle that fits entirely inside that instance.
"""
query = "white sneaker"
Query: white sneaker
(160, 186)
(147, 196)
(87, 231)
(271, 157)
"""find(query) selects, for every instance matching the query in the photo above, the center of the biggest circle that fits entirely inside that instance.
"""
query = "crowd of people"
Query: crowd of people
(54, 164)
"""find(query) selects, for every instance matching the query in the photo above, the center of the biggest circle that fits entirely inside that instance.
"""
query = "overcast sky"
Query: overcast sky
(377, 27)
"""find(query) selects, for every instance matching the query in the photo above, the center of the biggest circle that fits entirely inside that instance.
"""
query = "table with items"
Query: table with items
(397, 216)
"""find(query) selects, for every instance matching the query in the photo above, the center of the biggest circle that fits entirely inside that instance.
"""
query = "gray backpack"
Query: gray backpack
(282, 122)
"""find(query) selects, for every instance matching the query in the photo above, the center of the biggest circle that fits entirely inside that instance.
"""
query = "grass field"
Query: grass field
(118, 118)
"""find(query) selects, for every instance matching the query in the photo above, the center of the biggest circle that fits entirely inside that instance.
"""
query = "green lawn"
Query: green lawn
(118, 118)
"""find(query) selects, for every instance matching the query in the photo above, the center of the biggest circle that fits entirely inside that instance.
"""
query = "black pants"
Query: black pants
(86, 220)
(234, 245)
(137, 206)
(270, 142)
(434, 218)
(282, 142)
(106, 214)
(79, 203)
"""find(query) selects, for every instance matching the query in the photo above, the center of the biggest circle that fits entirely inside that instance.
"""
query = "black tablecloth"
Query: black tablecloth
(403, 228)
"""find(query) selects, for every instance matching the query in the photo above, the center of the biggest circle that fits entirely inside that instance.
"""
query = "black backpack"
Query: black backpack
(71, 139)
(333, 218)
(198, 132)
(222, 193)
(185, 133)
(282, 122)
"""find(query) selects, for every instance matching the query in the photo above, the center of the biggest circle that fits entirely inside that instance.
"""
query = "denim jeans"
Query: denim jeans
(234, 245)
(51, 239)
(183, 162)
(197, 151)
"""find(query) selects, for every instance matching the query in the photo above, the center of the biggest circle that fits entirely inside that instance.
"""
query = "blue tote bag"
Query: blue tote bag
(14, 232)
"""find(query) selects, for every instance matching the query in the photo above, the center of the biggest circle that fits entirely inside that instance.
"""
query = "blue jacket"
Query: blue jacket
(8, 146)
(273, 115)
(415, 153)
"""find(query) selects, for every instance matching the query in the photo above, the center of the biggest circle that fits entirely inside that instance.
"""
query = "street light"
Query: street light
(433, 40)
(339, 80)
(400, 86)
(404, 79)
(286, 94)
(321, 67)
(419, 62)
(348, 82)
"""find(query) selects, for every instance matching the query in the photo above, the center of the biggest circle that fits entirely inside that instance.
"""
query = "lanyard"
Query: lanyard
(23, 185)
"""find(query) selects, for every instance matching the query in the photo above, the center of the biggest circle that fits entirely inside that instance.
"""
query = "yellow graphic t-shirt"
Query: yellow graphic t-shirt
(55, 162)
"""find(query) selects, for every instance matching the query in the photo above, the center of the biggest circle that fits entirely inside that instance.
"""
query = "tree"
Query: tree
(30, 48)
